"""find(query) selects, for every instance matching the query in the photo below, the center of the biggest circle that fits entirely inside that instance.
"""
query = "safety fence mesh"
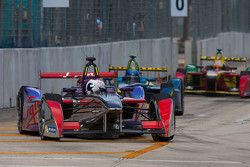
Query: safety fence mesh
(25, 23)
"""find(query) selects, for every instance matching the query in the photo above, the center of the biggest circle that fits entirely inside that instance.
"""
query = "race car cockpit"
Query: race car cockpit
(132, 74)
(91, 82)
(219, 61)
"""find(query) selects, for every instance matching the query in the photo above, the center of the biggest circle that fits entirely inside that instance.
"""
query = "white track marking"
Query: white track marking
(115, 159)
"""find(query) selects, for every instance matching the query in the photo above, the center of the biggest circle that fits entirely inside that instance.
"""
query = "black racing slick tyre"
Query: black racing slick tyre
(41, 117)
(181, 112)
(181, 70)
(244, 73)
(20, 103)
(157, 137)
(53, 97)
(153, 116)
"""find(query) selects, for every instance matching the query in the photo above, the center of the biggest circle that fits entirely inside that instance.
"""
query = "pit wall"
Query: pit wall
(22, 66)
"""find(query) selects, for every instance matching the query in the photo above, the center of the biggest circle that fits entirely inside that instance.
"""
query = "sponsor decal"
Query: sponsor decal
(51, 129)
(67, 74)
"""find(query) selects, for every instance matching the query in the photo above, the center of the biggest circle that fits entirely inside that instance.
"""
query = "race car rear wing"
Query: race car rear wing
(122, 68)
(229, 59)
(67, 75)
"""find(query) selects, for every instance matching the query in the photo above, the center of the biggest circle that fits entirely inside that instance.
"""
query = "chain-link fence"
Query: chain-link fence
(25, 23)
(20, 23)
(208, 18)
(94, 21)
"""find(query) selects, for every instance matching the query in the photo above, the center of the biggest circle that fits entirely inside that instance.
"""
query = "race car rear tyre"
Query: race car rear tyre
(153, 116)
(19, 124)
(181, 112)
(20, 102)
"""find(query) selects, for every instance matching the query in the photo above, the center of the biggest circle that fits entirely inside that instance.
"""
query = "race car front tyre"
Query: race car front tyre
(158, 137)
(53, 97)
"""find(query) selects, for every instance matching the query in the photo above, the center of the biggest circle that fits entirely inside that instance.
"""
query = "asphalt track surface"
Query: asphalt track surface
(214, 132)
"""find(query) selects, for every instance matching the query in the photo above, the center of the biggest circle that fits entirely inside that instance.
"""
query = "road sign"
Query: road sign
(179, 8)
(55, 3)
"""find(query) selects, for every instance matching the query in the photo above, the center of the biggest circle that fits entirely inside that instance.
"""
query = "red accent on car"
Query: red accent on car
(65, 75)
(132, 100)
(196, 73)
(231, 75)
(56, 111)
(67, 101)
(30, 98)
(71, 126)
(244, 85)
(180, 76)
(31, 118)
(152, 125)
(165, 108)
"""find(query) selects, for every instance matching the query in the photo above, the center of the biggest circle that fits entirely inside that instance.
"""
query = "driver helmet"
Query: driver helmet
(132, 76)
(94, 86)
(219, 59)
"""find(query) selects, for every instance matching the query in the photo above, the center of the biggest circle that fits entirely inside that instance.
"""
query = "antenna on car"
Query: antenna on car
(90, 60)
(219, 51)
(132, 57)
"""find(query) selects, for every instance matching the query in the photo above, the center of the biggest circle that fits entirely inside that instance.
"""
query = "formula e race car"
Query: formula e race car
(136, 87)
(214, 79)
(92, 108)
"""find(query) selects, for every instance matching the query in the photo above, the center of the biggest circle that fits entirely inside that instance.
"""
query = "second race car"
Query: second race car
(213, 79)
(92, 108)
(144, 87)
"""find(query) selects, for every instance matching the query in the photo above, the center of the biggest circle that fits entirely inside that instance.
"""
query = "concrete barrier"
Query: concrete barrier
(1, 79)
(234, 44)
(22, 66)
